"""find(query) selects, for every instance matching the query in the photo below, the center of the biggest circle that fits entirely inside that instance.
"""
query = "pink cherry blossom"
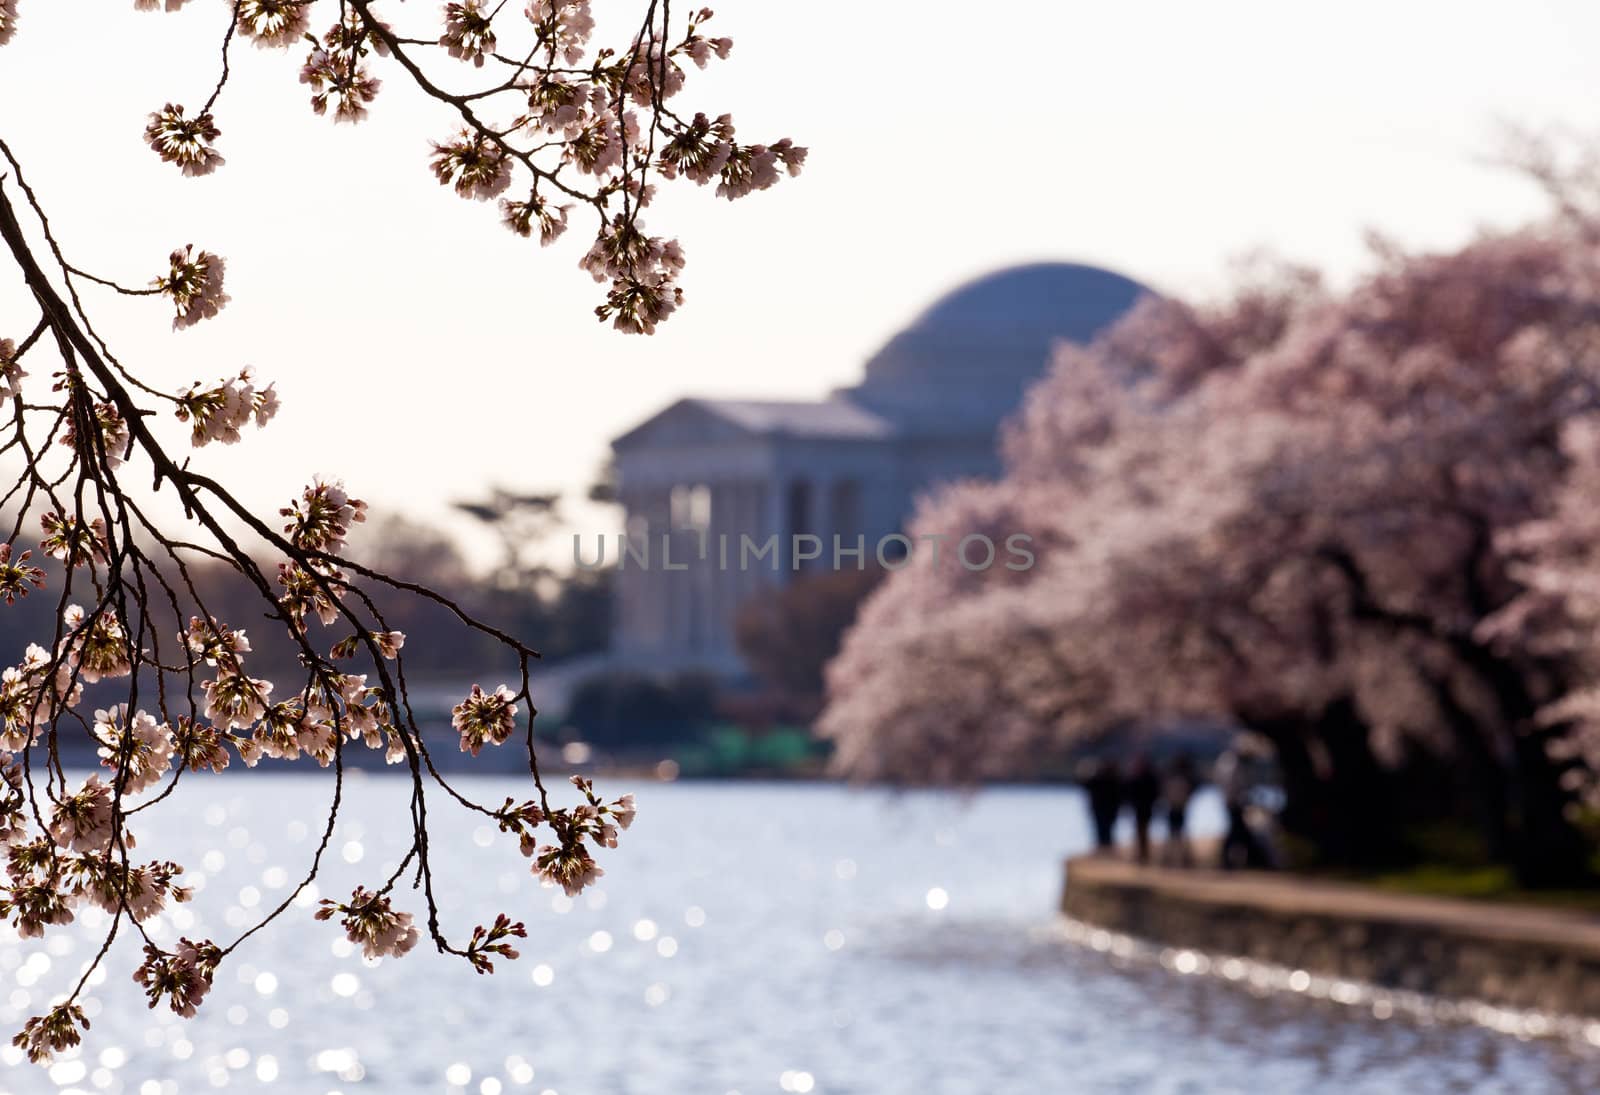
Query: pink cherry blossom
(183, 976)
(82, 821)
(11, 371)
(569, 866)
(17, 576)
(138, 751)
(484, 718)
(474, 164)
(468, 33)
(194, 283)
(370, 920)
(220, 411)
(184, 141)
(335, 75)
(274, 23)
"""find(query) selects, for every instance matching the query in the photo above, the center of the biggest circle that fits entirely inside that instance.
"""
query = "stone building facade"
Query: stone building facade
(706, 483)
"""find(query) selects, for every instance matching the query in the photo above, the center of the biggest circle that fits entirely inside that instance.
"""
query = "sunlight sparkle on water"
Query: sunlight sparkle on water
(68, 1072)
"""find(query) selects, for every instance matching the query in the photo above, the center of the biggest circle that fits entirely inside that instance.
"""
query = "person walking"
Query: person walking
(1104, 788)
(1242, 848)
(1142, 789)
(1176, 791)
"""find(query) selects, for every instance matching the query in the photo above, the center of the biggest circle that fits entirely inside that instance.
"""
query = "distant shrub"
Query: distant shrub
(620, 710)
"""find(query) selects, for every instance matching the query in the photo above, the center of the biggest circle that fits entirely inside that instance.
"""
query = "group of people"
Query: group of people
(1144, 789)
(1141, 788)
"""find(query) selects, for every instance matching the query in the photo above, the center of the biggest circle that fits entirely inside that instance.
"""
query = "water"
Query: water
(747, 938)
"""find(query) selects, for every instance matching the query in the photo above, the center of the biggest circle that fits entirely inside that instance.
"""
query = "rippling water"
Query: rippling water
(747, 938)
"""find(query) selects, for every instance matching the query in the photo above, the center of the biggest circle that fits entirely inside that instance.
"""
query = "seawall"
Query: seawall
(1509, 955)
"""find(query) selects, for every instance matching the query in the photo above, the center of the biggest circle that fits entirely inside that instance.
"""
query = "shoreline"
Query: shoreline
(1510, 955)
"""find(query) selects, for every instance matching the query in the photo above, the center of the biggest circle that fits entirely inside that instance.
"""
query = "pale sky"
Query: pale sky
(423, 352)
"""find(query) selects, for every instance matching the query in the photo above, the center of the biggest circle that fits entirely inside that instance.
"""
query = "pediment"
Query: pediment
(686, 422)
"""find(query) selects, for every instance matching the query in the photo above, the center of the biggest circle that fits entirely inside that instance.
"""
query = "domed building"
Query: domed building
(727, 497)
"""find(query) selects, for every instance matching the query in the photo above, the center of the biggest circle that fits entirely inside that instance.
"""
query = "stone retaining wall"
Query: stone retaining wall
(1508, 955)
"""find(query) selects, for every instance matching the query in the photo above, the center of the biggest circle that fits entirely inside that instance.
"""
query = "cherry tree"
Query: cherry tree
(553, 127)
(952, 674)
(1301, 513)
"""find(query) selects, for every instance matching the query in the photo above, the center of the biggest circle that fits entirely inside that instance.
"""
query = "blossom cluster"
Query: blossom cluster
(57, 1029)
(569, 863)
(484, 718)
(78, 859)
(138, 750)
(194, 283)
(182, 975)
(370, 920)
(184, 141)
(319, 522)
(274, 23)
(219, 412)
(643, 272)
(11, 371)
(104, 442)
(31, 694)
(72, 541)
(335, 73)
(18, 575)
(468, 32)
(79, 853)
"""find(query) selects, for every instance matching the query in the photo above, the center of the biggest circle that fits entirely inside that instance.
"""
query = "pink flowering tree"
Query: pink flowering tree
(554, 127)
(1356, 524)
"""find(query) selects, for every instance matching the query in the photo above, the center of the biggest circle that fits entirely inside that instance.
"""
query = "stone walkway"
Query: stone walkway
(1290, 896)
